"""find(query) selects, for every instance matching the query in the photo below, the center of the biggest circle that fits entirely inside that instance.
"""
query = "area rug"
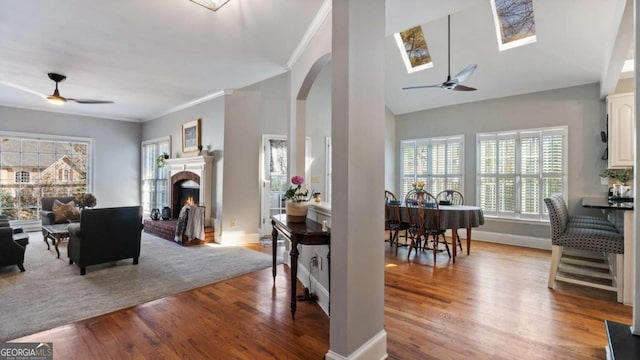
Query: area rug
(52, 293)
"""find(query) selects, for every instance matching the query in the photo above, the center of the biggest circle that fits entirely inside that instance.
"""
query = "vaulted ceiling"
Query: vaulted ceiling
(151, 57)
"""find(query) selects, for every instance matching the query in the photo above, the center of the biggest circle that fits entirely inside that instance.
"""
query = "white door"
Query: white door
(274, 180)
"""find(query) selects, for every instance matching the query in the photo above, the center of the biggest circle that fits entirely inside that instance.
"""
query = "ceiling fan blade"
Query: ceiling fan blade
(459, 87)
(464, 74)
(16, 86)
(88, 101)
(422, 87)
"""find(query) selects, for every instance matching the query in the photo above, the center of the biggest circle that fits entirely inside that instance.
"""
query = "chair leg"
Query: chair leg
(21, 267)
(410, 247)
(459, 242)
(620, 276)
(435, 249)
(446, 244)
(556, 254)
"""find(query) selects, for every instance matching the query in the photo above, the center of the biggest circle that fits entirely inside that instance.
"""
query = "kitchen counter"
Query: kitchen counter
(621, 215)
(604, 203)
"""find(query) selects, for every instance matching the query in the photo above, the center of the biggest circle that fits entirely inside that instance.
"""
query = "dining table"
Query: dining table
(452, 217)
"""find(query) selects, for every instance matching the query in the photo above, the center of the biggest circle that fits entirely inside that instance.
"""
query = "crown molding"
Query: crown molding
(214, 95)
(325, 10)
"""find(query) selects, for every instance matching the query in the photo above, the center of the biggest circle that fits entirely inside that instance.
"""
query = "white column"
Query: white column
(357, 220)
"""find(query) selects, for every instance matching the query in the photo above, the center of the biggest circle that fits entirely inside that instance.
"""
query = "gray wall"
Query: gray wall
(318, 127)
(579, 108)
(116, 148)
(258, 109)
(232, 125)
(390, 147)
(211, 114)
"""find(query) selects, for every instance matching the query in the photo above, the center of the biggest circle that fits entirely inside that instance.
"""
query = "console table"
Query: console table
(306, 233)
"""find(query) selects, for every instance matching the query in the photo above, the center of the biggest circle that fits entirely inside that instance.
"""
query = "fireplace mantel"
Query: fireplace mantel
(202, 166)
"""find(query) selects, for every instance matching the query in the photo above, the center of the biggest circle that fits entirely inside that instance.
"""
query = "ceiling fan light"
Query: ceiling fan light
(56, 100)
(212, 5)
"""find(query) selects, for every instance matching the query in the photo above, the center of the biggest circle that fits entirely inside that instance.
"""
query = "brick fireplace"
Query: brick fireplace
(185, 189)
(192, 176)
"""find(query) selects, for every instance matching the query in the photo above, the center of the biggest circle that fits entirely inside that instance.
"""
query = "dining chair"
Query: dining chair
(393, 221)
(451, 197)
(424, 218)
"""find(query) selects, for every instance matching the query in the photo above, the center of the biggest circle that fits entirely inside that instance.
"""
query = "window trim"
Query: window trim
(430, 140)
(57, 138)
(543, 216)
(142, 169)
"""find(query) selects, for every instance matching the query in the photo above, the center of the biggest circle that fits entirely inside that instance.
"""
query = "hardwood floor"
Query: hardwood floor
(493, 304)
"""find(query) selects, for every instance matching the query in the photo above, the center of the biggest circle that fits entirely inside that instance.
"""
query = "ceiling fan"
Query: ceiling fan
(55, 98)
(451, 83)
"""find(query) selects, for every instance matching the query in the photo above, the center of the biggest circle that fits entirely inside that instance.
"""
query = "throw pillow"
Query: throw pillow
(64, 212)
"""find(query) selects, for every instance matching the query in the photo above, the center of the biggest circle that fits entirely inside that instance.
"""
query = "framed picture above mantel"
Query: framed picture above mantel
(190, 136)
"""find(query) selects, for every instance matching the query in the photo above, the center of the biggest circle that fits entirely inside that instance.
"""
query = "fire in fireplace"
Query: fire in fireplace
(189, 193)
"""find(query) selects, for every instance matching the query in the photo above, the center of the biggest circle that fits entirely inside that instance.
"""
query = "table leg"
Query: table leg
(468, 240)
(56, 244)
(454, 235)
(46, 236)
(274, 244)
(294, 275)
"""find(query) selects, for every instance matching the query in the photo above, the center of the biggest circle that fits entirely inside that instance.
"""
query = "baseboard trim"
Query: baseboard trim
(375, 348)
(229, 238)
(508, 239)
(318, 289)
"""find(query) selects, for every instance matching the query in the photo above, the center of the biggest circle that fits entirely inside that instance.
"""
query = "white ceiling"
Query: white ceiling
(150, 57)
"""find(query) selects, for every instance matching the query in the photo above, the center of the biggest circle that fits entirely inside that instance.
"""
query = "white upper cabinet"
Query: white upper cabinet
(621, 130)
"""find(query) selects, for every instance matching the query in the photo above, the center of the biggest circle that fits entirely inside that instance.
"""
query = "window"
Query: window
(22, 177)
(515, 25)
(413, 49)
(436, 161)
(518, 169)
(29, 168)
(155, 183)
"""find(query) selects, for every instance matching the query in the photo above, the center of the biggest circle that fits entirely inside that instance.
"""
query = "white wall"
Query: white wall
(116, 148)
(211, 133)
(580, 108)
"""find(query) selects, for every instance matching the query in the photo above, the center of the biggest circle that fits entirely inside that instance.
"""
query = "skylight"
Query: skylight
(413, 48)
(515, 25)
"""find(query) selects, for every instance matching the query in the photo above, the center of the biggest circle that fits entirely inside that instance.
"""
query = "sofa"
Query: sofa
(105, 235)
(13, 243)
(47, 215)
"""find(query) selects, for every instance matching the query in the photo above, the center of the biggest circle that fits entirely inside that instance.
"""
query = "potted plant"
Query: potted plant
(160, 159)
(298, 200)
(618, 176)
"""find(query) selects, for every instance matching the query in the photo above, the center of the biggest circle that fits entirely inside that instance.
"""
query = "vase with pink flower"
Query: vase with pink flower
(297, 197)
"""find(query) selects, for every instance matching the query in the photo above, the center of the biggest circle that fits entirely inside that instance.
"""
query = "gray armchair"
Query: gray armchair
(105, 235)
(46, 214)
(13, 243)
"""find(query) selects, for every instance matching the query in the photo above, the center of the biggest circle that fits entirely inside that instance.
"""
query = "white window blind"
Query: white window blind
(155, 184)
(518, 169)
(436, 161)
